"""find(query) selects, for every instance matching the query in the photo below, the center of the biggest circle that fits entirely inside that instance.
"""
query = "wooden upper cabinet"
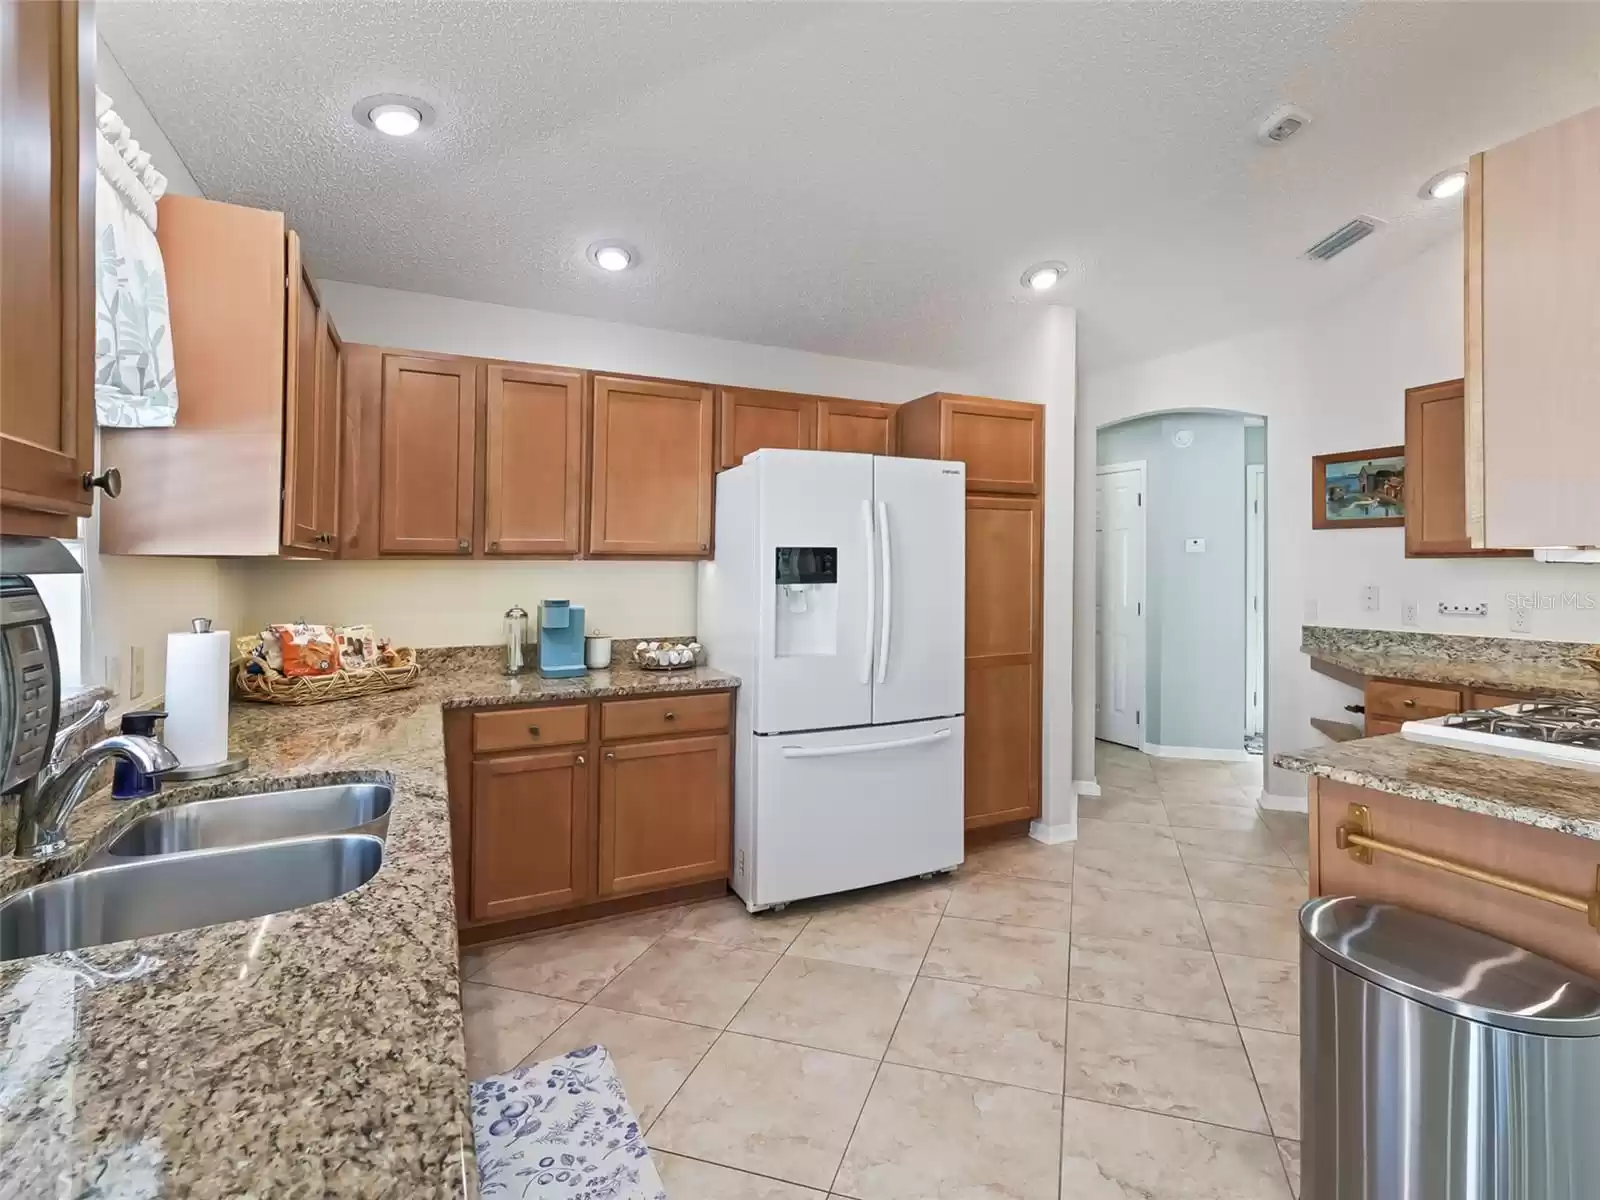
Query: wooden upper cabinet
(749, 419)
(856, 426)
(1436, 474)
(47, 180)
(665, 808)
(1001, 441)
(310, 417)
(653, 466)
(427, 454)
(532, 834)
(1533, 339)
(533, 460)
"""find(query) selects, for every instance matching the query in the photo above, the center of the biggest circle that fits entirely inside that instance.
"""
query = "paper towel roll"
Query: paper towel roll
(196, 729)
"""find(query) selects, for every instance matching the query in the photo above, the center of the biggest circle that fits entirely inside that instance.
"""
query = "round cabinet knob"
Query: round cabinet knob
(463, 545)
(580, 760)
(108, 481)
(1410, 703)
(610, 755)
(669, 715)
(534, 730)
(494, 545)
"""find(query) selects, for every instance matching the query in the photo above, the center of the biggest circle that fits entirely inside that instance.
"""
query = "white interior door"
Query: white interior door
(1120, 615)
(816, 650)
(920, 515)
(1255, 567)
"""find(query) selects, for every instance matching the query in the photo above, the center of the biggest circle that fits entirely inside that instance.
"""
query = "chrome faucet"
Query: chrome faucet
(47, 800)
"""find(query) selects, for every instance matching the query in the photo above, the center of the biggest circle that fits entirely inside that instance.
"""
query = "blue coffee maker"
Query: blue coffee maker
(560, 639)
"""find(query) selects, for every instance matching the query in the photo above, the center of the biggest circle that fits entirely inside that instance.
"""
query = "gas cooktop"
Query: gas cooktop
(1561, 732)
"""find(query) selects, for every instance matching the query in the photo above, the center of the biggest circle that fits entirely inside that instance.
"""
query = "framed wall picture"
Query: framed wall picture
(1359, 489)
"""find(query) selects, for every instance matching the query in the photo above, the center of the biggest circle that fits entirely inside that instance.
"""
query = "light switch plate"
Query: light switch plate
(135, 672)
(1369, 598)
(111, 675)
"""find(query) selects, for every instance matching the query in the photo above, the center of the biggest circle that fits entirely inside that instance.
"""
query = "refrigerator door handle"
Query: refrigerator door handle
(872, 595)
(888, 592)
(865, 747)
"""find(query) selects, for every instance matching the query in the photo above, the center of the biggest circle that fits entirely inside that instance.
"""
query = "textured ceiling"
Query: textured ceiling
(858, 179)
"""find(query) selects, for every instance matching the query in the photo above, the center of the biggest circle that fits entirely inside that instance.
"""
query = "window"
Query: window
(63, 598)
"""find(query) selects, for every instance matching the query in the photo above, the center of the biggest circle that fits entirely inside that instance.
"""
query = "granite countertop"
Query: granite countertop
(313, 1052)
(1548, 669)
(1565, 799)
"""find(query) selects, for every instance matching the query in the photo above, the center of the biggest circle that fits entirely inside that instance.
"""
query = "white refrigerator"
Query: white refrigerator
(838, 596)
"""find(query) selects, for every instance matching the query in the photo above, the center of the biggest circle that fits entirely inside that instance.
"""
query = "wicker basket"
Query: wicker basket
(639, 661)
(316, 689)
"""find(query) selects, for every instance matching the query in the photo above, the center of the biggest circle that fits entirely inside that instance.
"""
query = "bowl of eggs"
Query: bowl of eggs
(668, 656)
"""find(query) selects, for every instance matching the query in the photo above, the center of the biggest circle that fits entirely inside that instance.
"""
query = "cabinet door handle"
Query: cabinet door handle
(669, 715)
(494, 545)
(108, 481)
(610, 755)
(1409, 703)
(534, 730)
(463, 545)
(579, 760)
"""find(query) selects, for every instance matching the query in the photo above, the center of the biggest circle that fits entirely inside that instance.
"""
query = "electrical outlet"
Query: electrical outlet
(1369, 598)
(111, 676)
(1408, 612)
(135, 672)
(1521, 618)
(1479, 609)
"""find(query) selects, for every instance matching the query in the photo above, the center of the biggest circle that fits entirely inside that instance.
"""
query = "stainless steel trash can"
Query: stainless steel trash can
(1439, 1063)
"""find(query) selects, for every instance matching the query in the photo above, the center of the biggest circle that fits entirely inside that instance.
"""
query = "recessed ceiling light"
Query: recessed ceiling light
(1043, 277)
(393, 116)
(612, 256)
(1445, 185)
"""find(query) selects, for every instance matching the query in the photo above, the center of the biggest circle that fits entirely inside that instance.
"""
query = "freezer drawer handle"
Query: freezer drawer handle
(864, 748)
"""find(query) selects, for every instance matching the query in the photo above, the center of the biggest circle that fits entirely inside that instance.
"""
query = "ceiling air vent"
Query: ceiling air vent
(1343, 238)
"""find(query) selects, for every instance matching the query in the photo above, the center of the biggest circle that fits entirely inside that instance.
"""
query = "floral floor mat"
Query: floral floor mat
(561, 1130)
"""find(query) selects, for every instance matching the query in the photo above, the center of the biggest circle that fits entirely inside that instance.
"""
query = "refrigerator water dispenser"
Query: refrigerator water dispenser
(806, 595)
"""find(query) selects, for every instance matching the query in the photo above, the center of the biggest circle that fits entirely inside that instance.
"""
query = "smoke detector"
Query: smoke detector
(1282, 125)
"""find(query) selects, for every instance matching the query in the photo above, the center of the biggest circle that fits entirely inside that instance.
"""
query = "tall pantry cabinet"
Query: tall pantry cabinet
(1002, 444)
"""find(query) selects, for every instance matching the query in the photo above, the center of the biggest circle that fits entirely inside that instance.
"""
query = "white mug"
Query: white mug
(597, 652)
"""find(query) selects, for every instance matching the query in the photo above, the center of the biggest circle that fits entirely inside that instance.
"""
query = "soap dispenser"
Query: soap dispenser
(129, 783)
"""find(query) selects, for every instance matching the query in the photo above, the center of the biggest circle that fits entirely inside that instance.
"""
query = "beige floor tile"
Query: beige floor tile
(1210, 816)
(987, 1033)
(652, 1056)
(692, 1179)
(1133, 807)
(576, 963)
(502, 1027)
(1242, 883)
(1007, 956)
(1012, 901)
(1165, 979)
(872, 935)
(477, 958)
(1287, 824)
(1172, 1065)
(828, 1005)
(1110, 1153)
(1138, 916)
(727, 922)
(1255, 845)
(1121, 835)
(768, 1107)
(1186, 791)
(1290, 1152)
(1024, 858)
(1275, 1059)
(1263, 931)
(698, 982)
(1131, 871)
(924, 1134)
(913, 895)
(1265, 993)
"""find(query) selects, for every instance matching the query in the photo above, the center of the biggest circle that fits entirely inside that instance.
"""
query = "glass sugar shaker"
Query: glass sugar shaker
(516, 639)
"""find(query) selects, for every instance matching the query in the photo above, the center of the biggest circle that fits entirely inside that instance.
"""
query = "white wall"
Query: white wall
(1334, 381)
(462, 603)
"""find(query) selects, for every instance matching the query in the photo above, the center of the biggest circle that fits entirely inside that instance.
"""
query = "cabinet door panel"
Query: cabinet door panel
(428, 418)
(303, 411)
(652, 468)
(756, 420)
(47, 180)
(1005, 547)
(1436, 473)
(855, 426)
(1002, 778)
(1002, 443)
(533, 483)
(330, 413)
(665, 809)
(532, 847)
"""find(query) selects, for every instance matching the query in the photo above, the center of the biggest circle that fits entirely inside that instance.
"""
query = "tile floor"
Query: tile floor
(1112, 1020)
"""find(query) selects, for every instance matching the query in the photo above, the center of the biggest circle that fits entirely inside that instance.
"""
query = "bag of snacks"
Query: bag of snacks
(307, 649)
(358, 647)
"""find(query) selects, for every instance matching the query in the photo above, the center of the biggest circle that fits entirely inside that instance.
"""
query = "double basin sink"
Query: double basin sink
(205, 863)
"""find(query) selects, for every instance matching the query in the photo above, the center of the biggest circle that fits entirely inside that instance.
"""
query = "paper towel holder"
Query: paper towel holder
(228, 766)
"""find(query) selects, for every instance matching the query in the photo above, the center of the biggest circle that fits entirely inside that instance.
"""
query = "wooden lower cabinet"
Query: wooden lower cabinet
(532, 836)
(665, 808)
(1002, 743)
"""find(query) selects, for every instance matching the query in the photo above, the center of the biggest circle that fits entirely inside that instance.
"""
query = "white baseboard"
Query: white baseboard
(1086, 787)
(1053, 835)
(1297, 804)
(1200, 752)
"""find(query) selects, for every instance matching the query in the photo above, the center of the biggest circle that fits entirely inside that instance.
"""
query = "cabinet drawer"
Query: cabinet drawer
(1410, 701)
(706, 712)
(1493, 699)
(1378, 726)
(524, 728)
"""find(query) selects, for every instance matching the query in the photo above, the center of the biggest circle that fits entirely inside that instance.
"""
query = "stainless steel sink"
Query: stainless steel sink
(254, 818)
(146, 896)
